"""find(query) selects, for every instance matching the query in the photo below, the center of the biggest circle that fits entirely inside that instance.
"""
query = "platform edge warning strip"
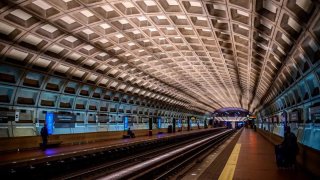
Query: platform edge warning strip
(229, 168)
(214, 170)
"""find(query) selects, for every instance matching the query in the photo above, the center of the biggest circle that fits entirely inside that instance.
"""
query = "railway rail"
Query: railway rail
(161, 166)
(103, 160)
(117, 165)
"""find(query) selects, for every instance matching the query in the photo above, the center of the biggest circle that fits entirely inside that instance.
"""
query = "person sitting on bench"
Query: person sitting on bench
(130, 133)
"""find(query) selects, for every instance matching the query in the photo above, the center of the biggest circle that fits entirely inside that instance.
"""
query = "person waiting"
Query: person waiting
(44, 136)
(130, 133)
(289, 147)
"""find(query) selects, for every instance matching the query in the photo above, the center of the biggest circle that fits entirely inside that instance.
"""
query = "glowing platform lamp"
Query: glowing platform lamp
(179, 123)
(49, 122)
(159, 122)
(126, 123)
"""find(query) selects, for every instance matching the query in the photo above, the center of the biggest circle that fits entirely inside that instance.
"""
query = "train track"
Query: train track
(117, 165)
(84, 160)
(162, 165)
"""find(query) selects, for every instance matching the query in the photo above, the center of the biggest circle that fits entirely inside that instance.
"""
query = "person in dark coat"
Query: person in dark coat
(290, 146)
(130, 133)
(44, 136)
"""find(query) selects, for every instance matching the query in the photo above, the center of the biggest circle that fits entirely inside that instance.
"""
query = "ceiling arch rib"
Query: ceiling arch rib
(205, 55)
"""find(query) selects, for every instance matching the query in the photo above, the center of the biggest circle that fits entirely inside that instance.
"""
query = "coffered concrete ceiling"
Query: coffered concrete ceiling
(203, 55)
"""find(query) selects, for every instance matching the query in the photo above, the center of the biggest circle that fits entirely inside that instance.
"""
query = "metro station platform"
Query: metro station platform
(249, 157)
(28, 157)
(256, 160)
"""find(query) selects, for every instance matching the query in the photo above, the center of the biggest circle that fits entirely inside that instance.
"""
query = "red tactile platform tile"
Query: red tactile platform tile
(257, 160)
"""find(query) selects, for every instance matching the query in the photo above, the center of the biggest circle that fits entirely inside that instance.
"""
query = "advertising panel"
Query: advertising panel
(64, 120)
(315, 114)
(294, 116)
(6, 116)
(102, 118)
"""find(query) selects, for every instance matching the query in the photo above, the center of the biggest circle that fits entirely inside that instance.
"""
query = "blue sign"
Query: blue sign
(49, 122)
(159, 122)
(126, 123)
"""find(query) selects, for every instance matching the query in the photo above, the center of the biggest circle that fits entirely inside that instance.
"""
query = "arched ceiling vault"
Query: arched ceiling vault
(203, 55)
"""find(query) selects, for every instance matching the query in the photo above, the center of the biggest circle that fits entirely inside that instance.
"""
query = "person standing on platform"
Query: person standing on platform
(130, 133)
(290, 146)
(44, 136)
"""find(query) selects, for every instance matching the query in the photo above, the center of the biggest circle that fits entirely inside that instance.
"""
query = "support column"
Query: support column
(205, 124)
(188, 123)
(174, 125)
(233, 125)
(150, 126)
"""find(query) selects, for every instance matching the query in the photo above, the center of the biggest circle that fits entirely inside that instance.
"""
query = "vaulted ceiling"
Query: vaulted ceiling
(203, 55)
